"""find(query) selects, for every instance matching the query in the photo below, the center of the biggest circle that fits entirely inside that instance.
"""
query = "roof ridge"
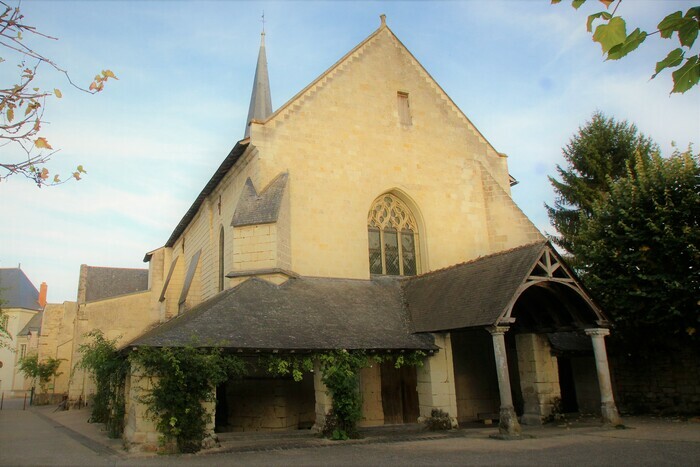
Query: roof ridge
(115, 267)
(326, 75)
(479, 258)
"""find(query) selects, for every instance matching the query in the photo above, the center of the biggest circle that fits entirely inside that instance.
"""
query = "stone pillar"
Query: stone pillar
(324, 401)
(608, 408)
(508, 424)
(210, 440)
(539, 377)
(140, 432)
(436, 382)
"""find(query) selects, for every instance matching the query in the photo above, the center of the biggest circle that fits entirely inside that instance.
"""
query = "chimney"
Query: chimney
(43, 289)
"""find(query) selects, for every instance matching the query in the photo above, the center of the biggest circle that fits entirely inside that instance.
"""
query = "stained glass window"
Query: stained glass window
(392, 234)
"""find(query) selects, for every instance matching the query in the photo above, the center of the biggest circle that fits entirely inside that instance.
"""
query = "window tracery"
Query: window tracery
(392, 231)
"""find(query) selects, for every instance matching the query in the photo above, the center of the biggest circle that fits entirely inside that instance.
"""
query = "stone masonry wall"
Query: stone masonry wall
(665, 382)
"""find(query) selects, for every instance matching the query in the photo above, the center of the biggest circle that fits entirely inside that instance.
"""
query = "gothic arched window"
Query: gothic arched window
(222, 273)
(393, 238)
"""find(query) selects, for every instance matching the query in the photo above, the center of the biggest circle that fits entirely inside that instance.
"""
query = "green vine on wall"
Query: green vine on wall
(108, 369)
(185, 378)
(340, 373)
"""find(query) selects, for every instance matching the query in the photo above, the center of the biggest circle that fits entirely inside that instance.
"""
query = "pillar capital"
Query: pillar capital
(596, 332)
(497, 330)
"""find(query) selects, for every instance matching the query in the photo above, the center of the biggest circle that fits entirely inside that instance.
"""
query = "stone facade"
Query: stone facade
(11, 379)
(539, 377)
(339, 145)
(664, 382)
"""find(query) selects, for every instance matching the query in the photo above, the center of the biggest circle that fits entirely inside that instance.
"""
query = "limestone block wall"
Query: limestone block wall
(270, 404)
(664, 381)
(203, 231)
(436, 381)
(140, 433)
(196, 291)
(168, 308)
(539, 377)
(56, 341)
(284, 234)
(371, 390)
(343, 145)
(323, 400)
(507, 225)
(586, 383)
(255, 247)
(476, 383)
(123, 318)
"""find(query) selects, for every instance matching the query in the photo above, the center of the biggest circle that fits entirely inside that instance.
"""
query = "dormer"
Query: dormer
(261, 232)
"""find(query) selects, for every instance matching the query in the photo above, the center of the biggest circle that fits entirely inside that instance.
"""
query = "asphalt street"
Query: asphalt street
(37, 437)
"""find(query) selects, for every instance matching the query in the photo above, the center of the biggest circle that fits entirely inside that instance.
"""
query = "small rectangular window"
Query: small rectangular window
(404, 108)
(22, 350)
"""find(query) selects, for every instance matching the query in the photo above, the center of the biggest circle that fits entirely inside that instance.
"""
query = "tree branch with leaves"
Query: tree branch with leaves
(611, 34)
(22, 104)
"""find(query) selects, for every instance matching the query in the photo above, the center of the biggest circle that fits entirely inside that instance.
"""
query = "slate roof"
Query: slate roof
(301, 314)
(468, 294)
(220, 173)
(102, 283)
(17, 291)
(34, 325)
(263, 208)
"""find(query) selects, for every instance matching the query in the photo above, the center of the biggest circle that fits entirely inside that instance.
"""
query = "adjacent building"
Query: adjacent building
(22, 306)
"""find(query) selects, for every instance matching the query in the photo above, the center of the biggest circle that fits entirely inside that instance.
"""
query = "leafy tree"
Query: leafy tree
(22, 104)
(42, 372)
(616, 43)
(108, 368)
(639, 250)
(597, 155)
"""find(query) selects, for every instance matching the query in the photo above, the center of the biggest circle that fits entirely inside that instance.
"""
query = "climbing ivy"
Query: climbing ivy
(108, 369)
(340, 372)
(184, 379)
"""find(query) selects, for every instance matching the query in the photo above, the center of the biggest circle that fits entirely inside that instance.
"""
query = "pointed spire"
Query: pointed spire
(260, 99)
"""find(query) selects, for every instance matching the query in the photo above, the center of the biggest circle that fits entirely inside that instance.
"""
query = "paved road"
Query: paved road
(31, 438)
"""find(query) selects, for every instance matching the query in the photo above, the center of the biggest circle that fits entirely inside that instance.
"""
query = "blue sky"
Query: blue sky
(526, 73)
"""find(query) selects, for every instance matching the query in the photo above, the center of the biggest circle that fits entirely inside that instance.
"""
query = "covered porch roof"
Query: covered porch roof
(302, 314)
(531, 284)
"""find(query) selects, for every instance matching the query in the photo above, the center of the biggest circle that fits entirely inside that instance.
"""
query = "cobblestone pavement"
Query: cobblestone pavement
(40, 436)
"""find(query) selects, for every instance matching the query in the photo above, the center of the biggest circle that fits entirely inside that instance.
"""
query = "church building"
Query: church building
(369, 213)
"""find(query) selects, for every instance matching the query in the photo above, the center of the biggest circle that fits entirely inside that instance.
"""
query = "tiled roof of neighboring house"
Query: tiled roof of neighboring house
(263, 208)
(469, 294)
(220, 173)
(17, 291)
(301, 314)
(101, 283)
(34, 325)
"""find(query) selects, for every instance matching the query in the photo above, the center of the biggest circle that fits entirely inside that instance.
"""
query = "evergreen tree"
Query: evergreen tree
(597, 154)
(639, 251)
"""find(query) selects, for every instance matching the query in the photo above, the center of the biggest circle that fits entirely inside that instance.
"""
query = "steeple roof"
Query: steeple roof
(260, 99)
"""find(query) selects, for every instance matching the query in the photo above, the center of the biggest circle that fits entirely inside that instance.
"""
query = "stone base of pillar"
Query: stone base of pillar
(531, 419)
(609, 414)
(508, 423)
